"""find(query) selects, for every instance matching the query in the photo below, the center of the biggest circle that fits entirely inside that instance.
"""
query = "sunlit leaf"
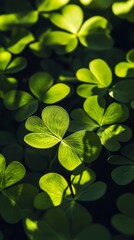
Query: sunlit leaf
(124, 10)
(5, 58)
(70, 19)
(49, 5)
(81, 146)
(55, 186)
(16, 65)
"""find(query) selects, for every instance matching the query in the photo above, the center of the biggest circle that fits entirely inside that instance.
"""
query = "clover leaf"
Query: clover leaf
(11, 174)
(87, 34)
(50, 5)
(82, 146)
(23, 102)
(96, 79)
(123, 174)
(124, 221)
(106, 120)
(15, 201)
(57, 190)
(41, 85)
(104, 4)
(11, 20)
(124, 9)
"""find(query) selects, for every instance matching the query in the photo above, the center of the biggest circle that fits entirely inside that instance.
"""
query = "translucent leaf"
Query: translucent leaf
(14, 172)
(123, 224)
(50, 5)
(87, 90)
(124, 69)
(78, 147)
(95, 107)
(16, 65)
(95, 28)
(56, 120)
(123, 175)
(115, 113)
(70, 19)
(56, 93)
(39, 83)
(8, 21)
(124, 10)
(5, 58)
(55, 186)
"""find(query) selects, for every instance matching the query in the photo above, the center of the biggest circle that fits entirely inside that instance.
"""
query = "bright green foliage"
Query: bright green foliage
(106, 120)
(97, 4)
(124, 221)
(50, 5)
(78, 147)
(123, 174)
(57, 190)
(96, 79)
(124, 9)
(11, 174)
(71, 19)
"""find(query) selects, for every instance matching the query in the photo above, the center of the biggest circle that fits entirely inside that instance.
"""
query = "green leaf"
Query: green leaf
(128, 151)
(2, 170)
(95, 75)
(119, 160)
(56, 93)
(123, 175)
(95, 108)
(7, 84)
(16, 65)
(8, 21)
(115, 113)
(125, 204)
(122, 91)
(61, 42)
(70, 19)
(123, 224)
(14, 172)
(5, 58)
(55, 225)
(50, 5)
(130, 55)
(43, 201)
(110, 136)
(26, 111)
(124, 10)
(124, 69)
(19, 40)
(94, 231)
(95, 28)
(84, 121)
(56, 120)
(39, 83)
(81, 146)
(55, 186)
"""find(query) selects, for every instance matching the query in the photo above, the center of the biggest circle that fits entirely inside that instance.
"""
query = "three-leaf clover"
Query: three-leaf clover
(106, 121)
(96, 79)
(71, 21)
(124, 174)
(56, 189)
(43, 88)
(79, 147)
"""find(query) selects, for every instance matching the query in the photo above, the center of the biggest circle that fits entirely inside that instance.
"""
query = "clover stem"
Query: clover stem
(52, 162)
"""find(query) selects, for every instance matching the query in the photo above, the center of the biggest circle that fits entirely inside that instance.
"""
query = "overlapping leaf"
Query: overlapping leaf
(96, 79)
(99, 118)
(82, 146)
(124, 174)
